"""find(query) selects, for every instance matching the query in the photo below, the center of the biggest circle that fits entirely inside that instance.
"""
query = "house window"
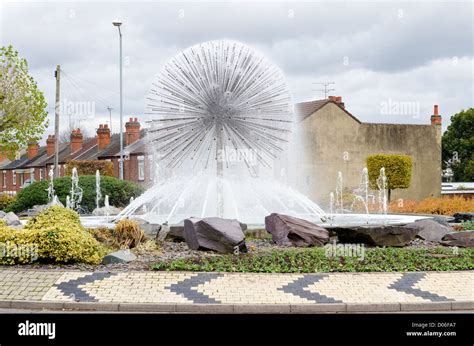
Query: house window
(14, 177)
(32, 174)
(41, 173)
(4, 179)
(141, 167)
(22, 179)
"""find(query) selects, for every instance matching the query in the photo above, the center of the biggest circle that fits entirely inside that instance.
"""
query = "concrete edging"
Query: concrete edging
(457, 306)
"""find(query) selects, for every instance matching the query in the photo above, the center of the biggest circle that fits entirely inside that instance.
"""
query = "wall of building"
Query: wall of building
(330, 141)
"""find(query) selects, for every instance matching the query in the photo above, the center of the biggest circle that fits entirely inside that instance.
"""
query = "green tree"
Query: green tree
(22, 106)
(397, 171)
(458, 145)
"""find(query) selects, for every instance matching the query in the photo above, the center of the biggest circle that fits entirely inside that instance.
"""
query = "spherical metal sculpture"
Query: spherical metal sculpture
(218, 96)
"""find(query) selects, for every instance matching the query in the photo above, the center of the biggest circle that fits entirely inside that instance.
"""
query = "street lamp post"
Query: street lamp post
(118, 23)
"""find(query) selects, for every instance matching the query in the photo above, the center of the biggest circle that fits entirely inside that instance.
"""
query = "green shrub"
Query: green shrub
(6, 201)
(316, 260)
(128, 234)
(85, 167)
(55, 235)
(468, 225)
(397, 170)
(119, 192)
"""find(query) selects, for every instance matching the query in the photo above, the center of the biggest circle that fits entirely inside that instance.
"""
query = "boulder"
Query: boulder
(162, 234)
(151, 230)
(443, 220)
(121, 256)
(177, 231)
(430, 230)
(291, 231)
(391, 235)
(2, 214)
(11, 219)
(104, 211)
(213, 233)
(460, 217)
(461, 239)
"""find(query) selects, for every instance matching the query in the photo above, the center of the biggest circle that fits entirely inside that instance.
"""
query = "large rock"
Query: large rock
(11, 219)
(390, 235)
(177, 231)
(213, 233)
(444, 220)
(288, 230)
(121, 256)
(151, 230)
(2, 214)
(460, 217)
(430, 230)
(461, 239)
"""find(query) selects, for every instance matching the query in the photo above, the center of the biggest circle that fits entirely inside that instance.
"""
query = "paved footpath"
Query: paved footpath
(237, 292)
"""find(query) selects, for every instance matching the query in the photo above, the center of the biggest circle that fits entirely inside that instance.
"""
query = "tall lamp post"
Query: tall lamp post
(118, 23)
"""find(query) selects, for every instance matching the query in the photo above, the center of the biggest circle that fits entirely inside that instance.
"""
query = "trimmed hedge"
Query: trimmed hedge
(106, 168)
(53, 236)
(119, 192)
(397, 170)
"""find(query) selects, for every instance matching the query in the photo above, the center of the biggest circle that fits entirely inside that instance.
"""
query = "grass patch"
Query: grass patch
(312, 260)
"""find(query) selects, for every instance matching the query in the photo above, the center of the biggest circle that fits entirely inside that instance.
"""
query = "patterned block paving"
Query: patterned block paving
(236, 288)
(19, 285)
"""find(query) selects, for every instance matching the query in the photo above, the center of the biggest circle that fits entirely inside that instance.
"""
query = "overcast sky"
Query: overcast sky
(391, 62)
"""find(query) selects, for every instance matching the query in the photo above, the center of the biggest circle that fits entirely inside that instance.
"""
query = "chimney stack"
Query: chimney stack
(132, 131)
(76, 140)
(103, 136)
(436, 118)
(337, 99)
(33, 149)
(50, 145)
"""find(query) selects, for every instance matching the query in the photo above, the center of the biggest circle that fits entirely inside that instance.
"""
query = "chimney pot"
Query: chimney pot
(103, 136)
(50, 145)
(436, 118)
(132, 131)
(33, 149)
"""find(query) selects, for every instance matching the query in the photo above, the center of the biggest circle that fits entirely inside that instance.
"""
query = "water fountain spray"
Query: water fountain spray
(382, 191)
(98, 192)
(51, 192)
(339, 194)
(76, 191)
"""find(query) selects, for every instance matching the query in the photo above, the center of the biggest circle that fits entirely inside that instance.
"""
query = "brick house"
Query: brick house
(36, 162)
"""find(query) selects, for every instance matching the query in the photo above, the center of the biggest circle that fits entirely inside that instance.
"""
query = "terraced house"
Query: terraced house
(35, 163)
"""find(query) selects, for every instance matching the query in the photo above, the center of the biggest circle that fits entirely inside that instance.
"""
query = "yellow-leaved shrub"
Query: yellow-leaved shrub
(53, 236)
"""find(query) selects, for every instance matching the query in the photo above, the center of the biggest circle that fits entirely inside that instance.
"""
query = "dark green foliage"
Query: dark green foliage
(119, 192)
(314, 260)
(459, 138)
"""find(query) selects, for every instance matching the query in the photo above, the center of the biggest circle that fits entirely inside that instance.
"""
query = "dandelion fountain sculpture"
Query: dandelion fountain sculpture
(221, 113)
